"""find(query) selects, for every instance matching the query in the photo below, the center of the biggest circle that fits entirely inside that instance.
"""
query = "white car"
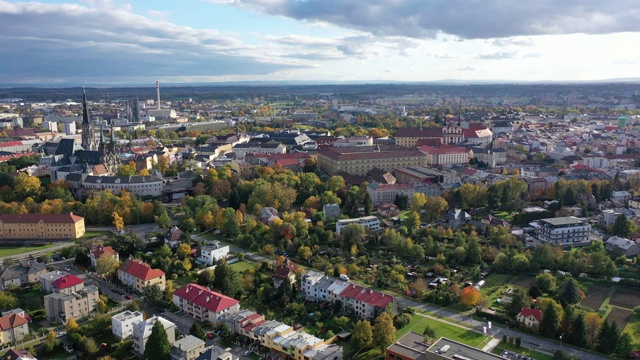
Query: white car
(247, 352)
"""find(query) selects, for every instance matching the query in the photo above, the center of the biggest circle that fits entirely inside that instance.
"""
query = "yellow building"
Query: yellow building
(41, 226)
(409, 137)
(137, 274)
(361, 159)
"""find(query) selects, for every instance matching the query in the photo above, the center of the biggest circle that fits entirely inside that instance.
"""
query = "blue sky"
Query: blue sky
(111, 42)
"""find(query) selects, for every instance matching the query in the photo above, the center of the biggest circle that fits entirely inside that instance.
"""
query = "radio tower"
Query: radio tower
(158, 92)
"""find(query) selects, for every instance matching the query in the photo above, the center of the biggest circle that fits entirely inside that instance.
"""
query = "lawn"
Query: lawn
(92, 234)
(419, 323)
(633, 328)
(17, 250)
(241, 266)
(503, 215)
(494, 282)
(522, 351)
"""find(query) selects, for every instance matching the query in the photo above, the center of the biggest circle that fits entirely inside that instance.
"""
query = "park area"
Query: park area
(17, 250)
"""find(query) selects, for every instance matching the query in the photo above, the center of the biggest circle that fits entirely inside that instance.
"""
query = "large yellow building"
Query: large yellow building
(41, 226)
(360, 160)
(409, 137)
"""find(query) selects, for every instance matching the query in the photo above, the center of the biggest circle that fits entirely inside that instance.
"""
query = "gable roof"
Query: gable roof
(66, 281)
(536, 313)
(11, 321)
(139, 269)
(205, 298)
(368, 296)
(100, 250)
(36, 218)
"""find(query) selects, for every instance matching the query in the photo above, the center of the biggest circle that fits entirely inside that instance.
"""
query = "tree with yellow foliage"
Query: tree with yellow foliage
(117, 221)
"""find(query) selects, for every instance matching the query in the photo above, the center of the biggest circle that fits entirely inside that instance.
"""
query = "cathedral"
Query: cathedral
(86, 158)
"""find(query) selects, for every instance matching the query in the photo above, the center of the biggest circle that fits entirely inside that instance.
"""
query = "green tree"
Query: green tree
(474, 252)
(624, 346)
(570, 292)
(158, 346)
(154, 297)
(304, 252)
(206, 278)
(164, 221)
(608, 337)
(622, 226)
(8, 301)
(550, 320)
(473, 196)
(435, 207)
(519, 300)
(384, 333)
(368, 204)
(197, 330)
(412, 222)
(562, 355)
(230, 223)
(51, 341)
(183, 251)
(578, 330)
(106, 265)
(362, 335)
(546, 283)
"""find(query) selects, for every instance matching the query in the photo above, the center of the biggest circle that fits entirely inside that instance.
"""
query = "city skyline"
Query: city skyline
(106, 42)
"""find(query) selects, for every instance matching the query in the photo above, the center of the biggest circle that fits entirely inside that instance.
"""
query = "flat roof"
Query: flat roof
(462, 350)
(411, 346)
(568, 220)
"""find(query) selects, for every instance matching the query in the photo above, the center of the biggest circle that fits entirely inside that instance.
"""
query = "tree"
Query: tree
(51, 341)
(546, 283)
(592, 323)
(362, 335)
(562, 355)
(183, 251)
(106, 265)
(368, 204)
(353, 234)
(570, 292)
(579, 330)
(384, 333)
(470, 296)
(197, 330)
(304, 252)
(89, 345)
(412, 222)
(550, 320)
(519, 300)
(158, 346)
(429, 332)
(102, 307)
(206, 278)
(435, 207)
(608, 337)
(72, 325)
(8, 301)
(622, 226)
(118, 222)
(473, 196)
(26, 186)
(153, 296)
(164, 221)
(535, 292)
(401, 201)
(127, 170)
(624, 345)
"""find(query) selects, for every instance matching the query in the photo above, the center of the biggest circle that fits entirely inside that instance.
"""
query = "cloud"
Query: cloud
(506, 42)
(66, 41)
(466, 68)
(499, 55)
(469, 19)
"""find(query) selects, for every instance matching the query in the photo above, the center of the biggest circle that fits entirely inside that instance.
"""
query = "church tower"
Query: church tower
(109, 152)
(88, 136)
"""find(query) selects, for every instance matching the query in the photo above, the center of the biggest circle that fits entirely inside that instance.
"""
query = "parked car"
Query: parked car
(61, 334)
(128, 297)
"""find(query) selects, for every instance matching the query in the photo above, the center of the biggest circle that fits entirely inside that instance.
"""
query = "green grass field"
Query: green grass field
(17, 250)
(241, 266)
(419, 323)
(496, 280)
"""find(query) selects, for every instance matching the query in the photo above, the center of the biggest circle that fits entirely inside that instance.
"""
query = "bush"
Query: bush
(518, 342)
(174, 276)
(401, 320)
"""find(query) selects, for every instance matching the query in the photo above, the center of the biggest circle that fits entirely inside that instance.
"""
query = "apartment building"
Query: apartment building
(137, 274)
(187, 348)
(41, 226)
(386, 193)
(209, 254)
(13, 327)
(47, 279)
(445, 154)
(564, 231)
(122, 323)
(409, 137)
(205, 305)
(61, 306)
(99, 251)
(142, 331)
(370, 223)
(259, 148)
(67, 284)
(360, 160)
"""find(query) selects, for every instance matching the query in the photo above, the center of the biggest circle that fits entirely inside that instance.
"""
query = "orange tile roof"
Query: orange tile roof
(11, 321)
(141, 270)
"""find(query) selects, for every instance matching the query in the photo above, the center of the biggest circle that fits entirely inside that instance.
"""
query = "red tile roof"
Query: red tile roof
(537, 313)
(205, 298)
(342, 154)
(442, 150)
(66, 281)
(10, 143)
(11, 321)
(252, 326)
(139, 269)
(98, 251)
(36, 218)
(368, 296)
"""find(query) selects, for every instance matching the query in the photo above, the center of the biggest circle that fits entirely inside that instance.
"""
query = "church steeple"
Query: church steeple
(88, 137)
(85, 108)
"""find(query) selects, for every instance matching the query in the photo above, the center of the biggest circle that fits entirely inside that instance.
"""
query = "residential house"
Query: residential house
(187, 348)
(268, 214)
(205, 305)
(480, 137)
(67, 284)
(99, 251)
(41, 226)
(214, 352)
(210, 254)
(172, 237)
(621, 196)
(455, 218)
(564, 231)
(17, 354)
(621, 246)
(13, 327)
(370, 223)
(21, 274)
(137, 274)
(388, 210)
(530, 318)
(331, 211)
(287, 269)
(61, 306)
(315, 285)
(386, 193)
(122, 323)
(366, 303)
(47, 279)
(142, 331)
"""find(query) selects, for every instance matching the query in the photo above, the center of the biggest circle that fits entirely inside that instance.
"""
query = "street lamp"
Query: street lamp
(561, 339)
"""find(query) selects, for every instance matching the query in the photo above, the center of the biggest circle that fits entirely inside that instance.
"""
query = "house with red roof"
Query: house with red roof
(204, 304)
(13, 327)
(67, 284)
(137, 274)
(287, 269)
(365, 303)
(530, 318)
(98, 251)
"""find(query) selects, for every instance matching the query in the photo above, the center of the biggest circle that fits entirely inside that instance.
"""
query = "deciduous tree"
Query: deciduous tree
(384, 332)
(362, 335)
(469, 296)
(106, 265)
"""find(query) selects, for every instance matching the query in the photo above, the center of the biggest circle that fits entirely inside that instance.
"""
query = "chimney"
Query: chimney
(158, 92)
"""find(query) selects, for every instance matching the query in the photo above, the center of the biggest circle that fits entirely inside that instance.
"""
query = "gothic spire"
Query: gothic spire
(85, 108)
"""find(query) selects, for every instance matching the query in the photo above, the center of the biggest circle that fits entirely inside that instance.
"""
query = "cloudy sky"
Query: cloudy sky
(110, 42)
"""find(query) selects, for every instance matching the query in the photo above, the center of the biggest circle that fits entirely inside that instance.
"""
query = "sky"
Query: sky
(120, 42)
